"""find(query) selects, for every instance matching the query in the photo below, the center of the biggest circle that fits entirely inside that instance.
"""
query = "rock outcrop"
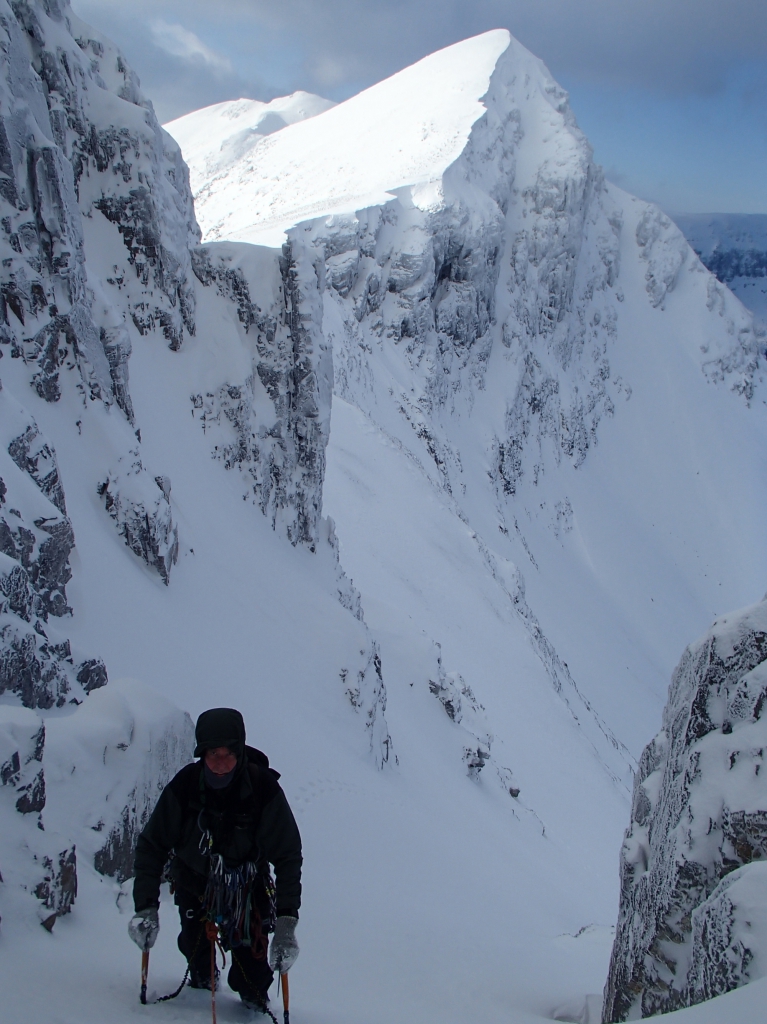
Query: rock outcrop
(81, 155)
(277, 420)
(693, 910)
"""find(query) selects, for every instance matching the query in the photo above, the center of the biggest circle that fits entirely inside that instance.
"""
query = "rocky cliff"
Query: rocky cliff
(101, 250)
(693, 908)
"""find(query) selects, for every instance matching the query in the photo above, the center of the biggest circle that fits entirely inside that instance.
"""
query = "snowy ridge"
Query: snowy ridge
(244, 123)
(427, 109)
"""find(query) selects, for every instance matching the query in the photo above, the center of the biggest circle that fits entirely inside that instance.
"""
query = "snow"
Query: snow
(734, 247)
(434, 890)
(213, 137)
(406, 130)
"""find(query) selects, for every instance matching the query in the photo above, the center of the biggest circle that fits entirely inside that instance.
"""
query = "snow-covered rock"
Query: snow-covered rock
(729, 935)
(276, 421)
(692, 916)
(101, 249)
(107, 764)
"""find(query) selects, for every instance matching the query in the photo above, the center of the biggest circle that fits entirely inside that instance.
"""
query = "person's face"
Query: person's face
(220, 760)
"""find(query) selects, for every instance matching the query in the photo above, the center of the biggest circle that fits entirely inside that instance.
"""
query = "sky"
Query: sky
(671, 93)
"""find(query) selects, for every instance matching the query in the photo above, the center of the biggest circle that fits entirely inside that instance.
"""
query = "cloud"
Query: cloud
(180, 42)
(178, 70)
(674, 48)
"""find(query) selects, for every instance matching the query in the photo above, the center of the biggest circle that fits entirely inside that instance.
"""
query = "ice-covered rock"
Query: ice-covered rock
(729, 934)
(36, 540)
(366, 693)
(141, 509)
(22, 741)
(42, 863)
(691, 923)
(107, 764)
(273, 426)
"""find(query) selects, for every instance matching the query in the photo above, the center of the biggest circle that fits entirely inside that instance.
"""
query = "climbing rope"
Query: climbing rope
(262, 1005)
(227, 920)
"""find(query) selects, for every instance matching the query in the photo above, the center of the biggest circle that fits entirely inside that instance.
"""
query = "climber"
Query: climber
(221, 822)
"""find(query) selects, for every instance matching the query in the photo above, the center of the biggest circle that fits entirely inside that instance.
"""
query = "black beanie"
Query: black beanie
(220, 727)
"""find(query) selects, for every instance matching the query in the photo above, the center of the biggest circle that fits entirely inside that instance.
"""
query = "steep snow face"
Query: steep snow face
(734, 248)
(693, 913)
(214, 137)
(573, 387)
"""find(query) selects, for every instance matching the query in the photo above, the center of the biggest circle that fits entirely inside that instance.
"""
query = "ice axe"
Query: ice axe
(285, 998)
(144, 975)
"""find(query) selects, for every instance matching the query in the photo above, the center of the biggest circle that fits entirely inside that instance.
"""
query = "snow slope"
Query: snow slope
(215, 136)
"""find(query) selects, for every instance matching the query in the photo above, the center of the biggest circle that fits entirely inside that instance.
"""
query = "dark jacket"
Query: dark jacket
(249, 820)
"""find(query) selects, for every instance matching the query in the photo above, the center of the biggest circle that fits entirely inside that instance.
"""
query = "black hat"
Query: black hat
(220, 727)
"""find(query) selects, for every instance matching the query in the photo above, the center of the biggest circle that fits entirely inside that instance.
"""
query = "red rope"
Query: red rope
(212, 933)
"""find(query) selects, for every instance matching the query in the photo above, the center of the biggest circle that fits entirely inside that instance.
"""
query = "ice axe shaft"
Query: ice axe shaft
(285, 999)
(144, 974)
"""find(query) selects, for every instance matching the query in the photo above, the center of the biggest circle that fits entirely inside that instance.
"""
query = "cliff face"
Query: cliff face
(693, 914)
(100, 251)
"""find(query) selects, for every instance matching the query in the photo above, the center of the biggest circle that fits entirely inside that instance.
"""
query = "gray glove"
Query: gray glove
(143, 928)
(284, 949)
